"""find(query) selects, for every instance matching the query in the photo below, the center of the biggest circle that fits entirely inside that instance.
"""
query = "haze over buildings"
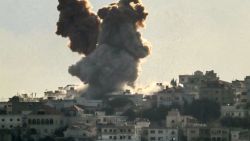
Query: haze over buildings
(186, 37)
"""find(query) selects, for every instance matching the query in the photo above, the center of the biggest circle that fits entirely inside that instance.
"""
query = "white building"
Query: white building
(80, 132)
(118, 133)
(171, 96)
(174, 119)
(111, 119)
(240, 135)
(234, 111)
(94, 104)
(10, 121)
(161, 134)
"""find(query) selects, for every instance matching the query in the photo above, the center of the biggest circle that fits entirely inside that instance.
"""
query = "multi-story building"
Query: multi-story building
(8, 121)
(198, 133)
(192, 83)
(118, 133)
(234, 111)
(219, 134)
(161, 134)
(219, 91)
(208, 134)
(240, 135)
(174, 120)
(173, 96)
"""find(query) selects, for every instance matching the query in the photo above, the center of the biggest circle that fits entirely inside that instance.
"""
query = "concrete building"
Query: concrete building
(240, 135)
(173, 96)
(11, 121)
(175, 120)
(198, 133)
(161, 134)
(192, 83)
(219, 134)
(80, 132)
(118, 133)
(234, 111)
(208, 134)
(219, 91)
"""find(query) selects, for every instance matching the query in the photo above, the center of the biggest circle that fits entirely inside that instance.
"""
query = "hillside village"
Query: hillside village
(197, 107)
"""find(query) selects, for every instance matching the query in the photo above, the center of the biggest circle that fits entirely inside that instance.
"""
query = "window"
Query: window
(129, 137)
(38, 121)
(152, 138)
(42, 121)
(47, 121)
(110, 130)
(51, 121)
(3, 126)
(33, 121)
(11, 119)
(110, 137)
(192, 131)
(11, 126)
(105, 130)
(173, 132)
(160, 138)
(160, 131)
(152, 131)
(3, 119)
(18, 119)
(129, 130)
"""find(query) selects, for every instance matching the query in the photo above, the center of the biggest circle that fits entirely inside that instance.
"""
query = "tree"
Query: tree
(48, 138)
(59, 131)
(131, 114)
(203, 109)
(156, 114)
(173, 83)
(120, 102)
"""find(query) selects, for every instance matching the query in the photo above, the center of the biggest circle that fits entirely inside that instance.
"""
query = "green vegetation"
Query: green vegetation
(119, 102)
(204, 110)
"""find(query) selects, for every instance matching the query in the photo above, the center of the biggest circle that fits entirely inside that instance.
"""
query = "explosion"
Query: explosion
(110, 41)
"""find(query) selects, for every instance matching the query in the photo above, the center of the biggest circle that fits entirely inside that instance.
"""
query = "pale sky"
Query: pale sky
(186, 35)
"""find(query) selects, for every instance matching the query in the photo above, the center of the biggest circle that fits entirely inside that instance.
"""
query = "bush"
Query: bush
(204, 110)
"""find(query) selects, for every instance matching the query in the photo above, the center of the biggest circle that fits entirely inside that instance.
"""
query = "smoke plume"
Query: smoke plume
(79, 24)
(115, 59)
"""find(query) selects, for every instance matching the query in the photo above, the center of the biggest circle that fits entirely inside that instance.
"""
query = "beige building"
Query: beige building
(174, 119)
(161, 134)
(118, 133)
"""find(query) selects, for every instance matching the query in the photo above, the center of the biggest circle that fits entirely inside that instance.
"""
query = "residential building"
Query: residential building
(219, 91)
(10, 121)
(175, 120)
(161, 134)
(118, 133)
(198, 133)
(240, 135)
(173, 96)
(234, 111)
(219, 134)
(208, 134)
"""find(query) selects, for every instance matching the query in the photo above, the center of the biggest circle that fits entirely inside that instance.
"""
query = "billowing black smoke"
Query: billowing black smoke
(115, 59)
(79, 24)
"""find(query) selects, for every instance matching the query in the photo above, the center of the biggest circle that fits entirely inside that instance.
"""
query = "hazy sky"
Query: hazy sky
(186, 35)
